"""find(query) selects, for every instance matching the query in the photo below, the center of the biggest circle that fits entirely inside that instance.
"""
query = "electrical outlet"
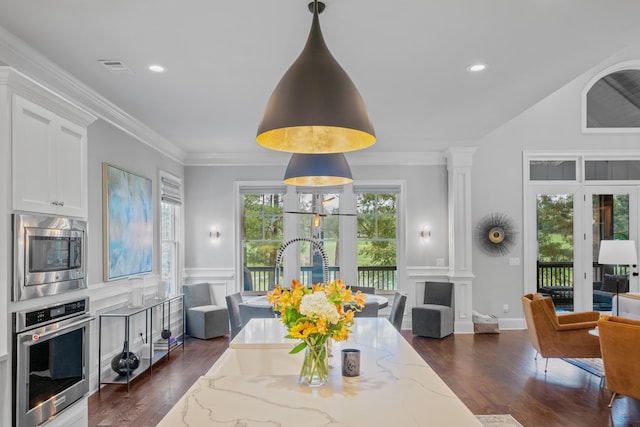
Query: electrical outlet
(514, 261)
(505, 308)
(439, 262)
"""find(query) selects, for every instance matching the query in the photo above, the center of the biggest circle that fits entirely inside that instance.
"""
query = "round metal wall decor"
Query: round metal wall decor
(496, 234)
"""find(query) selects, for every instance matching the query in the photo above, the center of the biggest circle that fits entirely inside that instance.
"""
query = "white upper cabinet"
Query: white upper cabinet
(49, 155)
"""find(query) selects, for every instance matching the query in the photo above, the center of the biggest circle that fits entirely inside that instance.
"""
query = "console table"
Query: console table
(128, 313)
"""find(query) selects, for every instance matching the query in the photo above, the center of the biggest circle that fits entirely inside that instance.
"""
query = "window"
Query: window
(170, 204)
(377, 240)
(613, 102)
(612, 170)
(262, 236)
(322, 224)
(552, 170)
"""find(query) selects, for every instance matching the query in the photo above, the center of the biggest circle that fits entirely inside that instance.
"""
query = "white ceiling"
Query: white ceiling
(407, 57)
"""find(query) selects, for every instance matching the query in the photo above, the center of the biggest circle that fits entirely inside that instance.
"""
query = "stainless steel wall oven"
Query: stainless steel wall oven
(49, 255)
(50, 360)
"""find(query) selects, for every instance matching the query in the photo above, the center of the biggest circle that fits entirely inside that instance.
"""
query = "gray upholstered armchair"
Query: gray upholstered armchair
(434, 318)
(205, 319)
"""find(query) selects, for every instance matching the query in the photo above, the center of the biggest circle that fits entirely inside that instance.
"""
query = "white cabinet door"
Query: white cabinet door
(71, 169)
(32, 143)
(49, 161)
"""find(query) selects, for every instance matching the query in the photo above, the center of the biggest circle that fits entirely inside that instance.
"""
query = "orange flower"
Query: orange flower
(321, 324)
(359, 298)
(348, 316)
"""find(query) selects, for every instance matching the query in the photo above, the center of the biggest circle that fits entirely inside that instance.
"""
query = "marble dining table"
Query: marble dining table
(255, 383)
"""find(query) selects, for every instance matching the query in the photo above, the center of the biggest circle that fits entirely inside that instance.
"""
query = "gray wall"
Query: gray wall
(111, 145)
(552, 125)
(209, 194)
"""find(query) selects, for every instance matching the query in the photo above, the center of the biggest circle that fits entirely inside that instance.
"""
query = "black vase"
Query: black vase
(165, 334)
(125, 362)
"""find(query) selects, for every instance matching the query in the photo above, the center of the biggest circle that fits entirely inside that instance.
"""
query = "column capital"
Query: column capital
(459, 157)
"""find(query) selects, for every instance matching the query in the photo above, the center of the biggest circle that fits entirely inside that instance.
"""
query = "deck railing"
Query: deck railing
(552, 274)
(261, 279)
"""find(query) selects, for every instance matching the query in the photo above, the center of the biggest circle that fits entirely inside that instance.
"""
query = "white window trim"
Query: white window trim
(180, 235)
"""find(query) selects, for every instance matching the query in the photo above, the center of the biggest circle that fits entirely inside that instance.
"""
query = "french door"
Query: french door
(611, 213)
(570, 222)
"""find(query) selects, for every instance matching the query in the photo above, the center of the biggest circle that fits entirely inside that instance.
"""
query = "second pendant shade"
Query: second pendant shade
(317, 170)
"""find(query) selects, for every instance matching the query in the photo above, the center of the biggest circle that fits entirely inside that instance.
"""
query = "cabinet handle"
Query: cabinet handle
(60, 203)
(54, 203)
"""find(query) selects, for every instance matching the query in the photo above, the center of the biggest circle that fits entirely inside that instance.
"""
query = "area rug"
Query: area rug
(498, 421)
(592, 365)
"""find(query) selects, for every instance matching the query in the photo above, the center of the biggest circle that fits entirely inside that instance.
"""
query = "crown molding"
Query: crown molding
(277, 158)
(18, 55)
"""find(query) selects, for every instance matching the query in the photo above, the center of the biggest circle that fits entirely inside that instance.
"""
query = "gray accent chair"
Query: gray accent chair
(370, 309)
(204, 318)
(397, 310)
(233, 305)
(248, 312)
(434, 318)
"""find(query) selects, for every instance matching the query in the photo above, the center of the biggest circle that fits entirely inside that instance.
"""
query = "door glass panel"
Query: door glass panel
(555, 223)
(322, 224)
(610, 222)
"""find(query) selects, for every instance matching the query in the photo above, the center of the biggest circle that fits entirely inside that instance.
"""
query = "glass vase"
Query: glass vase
(315, 368)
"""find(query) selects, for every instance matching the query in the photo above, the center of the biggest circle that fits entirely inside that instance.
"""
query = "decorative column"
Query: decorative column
(459, 162)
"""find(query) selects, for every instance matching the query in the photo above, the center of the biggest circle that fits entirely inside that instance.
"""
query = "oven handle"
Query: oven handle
(57, 331)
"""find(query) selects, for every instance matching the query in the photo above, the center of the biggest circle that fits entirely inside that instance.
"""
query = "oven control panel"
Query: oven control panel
(55, 312)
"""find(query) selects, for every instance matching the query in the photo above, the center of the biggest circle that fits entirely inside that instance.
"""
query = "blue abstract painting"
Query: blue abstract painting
(128, 223)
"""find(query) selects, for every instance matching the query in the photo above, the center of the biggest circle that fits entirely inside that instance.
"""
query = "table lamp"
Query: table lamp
(618, 252)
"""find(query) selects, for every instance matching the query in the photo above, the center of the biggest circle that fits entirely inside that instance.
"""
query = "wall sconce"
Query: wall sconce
(425, 233)
(214, 234)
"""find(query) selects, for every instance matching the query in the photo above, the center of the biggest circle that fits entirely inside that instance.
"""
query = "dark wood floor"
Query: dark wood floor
(492, 374)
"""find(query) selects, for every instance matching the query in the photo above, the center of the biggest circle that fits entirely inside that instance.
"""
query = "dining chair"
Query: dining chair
(233, 305)
(370, 309)
(397, 310)
(250, 311)
(363, 289)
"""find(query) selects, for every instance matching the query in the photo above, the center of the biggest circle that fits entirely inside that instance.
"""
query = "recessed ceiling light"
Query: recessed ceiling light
(157, 68)
(476, 67)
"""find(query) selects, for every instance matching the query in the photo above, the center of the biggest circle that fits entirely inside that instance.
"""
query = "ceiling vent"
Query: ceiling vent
(115, 66)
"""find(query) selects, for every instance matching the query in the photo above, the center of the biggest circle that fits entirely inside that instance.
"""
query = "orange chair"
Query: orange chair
(619, 338)
(559, 335)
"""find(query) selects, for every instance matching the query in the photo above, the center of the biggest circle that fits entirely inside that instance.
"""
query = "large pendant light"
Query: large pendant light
(318, 170)
(315, 108)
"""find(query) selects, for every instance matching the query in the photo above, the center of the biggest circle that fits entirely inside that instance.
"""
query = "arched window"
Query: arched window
(613, 101)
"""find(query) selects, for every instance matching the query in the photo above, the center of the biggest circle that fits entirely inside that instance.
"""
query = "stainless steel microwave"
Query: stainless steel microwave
(49, 255)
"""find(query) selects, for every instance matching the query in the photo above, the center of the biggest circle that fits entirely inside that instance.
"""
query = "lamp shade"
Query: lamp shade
(315, 108)
(620, 252)
(317, 170)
